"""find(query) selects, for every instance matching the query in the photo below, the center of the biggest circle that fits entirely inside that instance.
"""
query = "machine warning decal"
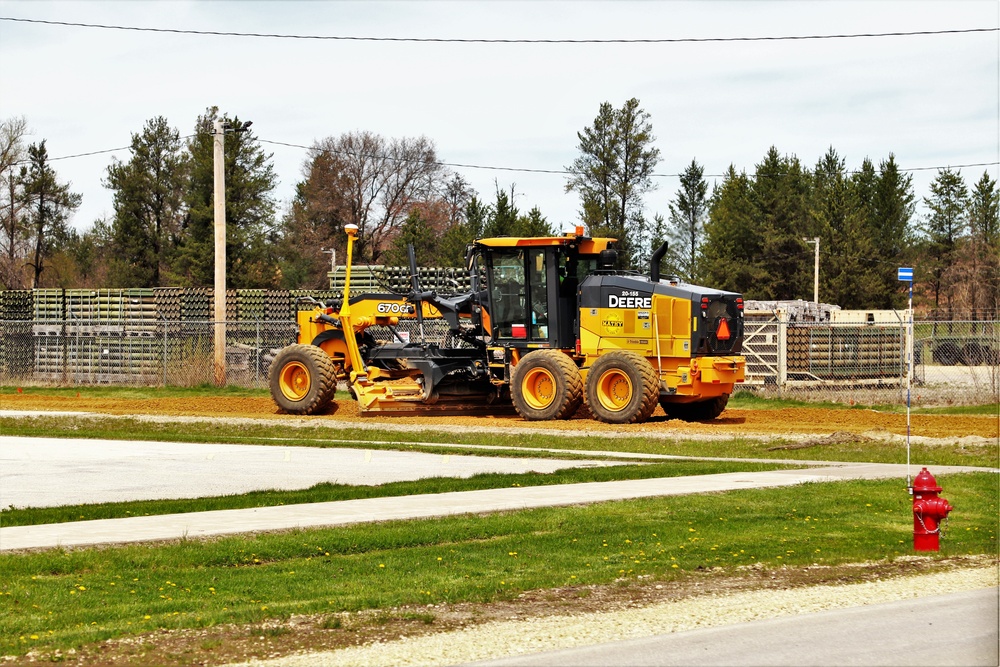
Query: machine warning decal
(643, 314)
(633, 341)
(613, 322)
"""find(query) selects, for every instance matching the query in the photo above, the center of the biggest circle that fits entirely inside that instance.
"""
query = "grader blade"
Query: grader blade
(454, 406)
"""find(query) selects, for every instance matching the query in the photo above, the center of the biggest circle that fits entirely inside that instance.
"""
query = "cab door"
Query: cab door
(520, 281)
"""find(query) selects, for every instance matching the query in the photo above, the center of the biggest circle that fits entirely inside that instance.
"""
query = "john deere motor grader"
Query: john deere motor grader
(549, 323)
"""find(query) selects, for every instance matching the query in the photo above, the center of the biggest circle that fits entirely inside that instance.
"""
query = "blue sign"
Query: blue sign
(905, 273)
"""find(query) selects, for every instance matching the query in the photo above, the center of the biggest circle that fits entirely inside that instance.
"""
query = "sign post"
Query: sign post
(905, 274)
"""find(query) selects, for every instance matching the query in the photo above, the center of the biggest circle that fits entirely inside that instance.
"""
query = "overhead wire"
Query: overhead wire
(457, 165)
(526, 170)
(565, 172)
(473, 40)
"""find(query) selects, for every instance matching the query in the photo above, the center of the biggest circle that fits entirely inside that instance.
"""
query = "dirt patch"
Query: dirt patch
(732, 422)
(838, 438)
(325, 632)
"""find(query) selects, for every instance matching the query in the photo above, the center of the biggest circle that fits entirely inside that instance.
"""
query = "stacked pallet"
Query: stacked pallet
(16, 304)
(109, 336)
(797, 349)
(443, 280)
(139, 312)
(168, 302)
(196, 303)
(47, 330)
(16, 347)
(251, 304)
(854, 352)
(278, 306)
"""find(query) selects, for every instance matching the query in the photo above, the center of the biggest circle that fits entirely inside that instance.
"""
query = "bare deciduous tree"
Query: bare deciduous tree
(13, 241)
(373, 182)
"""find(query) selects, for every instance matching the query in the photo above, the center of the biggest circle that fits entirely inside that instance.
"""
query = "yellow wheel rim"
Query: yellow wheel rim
(294, 381)
(614, 390)
(539, 388)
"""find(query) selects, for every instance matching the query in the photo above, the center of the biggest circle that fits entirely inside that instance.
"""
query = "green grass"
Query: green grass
(333, 492)
(128, 393)
(989, 409)
(748, 400)
(62, 599)
(515, 444)
(741, 399)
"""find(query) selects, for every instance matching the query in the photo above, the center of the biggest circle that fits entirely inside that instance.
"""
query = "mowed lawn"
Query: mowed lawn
(60, 599)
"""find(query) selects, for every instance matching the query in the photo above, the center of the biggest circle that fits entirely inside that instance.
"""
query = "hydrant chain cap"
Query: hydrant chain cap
(926, 483)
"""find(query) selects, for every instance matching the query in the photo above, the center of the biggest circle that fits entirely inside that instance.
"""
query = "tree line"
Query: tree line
(744, 232)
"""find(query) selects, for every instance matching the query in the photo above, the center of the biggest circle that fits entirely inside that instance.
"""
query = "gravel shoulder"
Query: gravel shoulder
(786, 423)
(522, 636)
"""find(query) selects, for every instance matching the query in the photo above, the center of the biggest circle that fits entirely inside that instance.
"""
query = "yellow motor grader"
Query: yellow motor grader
(548, 324)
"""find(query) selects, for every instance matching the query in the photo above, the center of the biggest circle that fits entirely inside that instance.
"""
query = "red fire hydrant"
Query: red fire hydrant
(928, 512)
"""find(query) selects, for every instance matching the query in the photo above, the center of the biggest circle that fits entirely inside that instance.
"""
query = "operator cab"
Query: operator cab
(531, 287)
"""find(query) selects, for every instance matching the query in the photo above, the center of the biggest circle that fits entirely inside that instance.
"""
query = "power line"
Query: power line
(564, 172)
(462, 40)
(456, 165)
(487, 167)
(70, 157)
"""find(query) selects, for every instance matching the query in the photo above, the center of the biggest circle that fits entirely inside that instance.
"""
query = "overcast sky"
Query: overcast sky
(931, 100)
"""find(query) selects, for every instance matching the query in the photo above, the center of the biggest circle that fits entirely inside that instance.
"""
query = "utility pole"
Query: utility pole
(815, 241)
(218, 134)
(219, 129)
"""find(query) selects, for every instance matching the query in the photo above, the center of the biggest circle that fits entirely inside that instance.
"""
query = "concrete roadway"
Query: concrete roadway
(955, 629)
(49, 472)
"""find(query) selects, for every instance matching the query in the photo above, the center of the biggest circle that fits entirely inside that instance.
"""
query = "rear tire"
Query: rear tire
(546, 384)
(302, 379)
(622, 388)
(696, 412)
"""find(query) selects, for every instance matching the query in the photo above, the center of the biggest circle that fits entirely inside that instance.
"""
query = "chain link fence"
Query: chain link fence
(165, 336)
(177, 353)
(953, 362)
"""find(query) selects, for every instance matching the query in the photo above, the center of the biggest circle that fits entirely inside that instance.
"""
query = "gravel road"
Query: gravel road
(522, 637)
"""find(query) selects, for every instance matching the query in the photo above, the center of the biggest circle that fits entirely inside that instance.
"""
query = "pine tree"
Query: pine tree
(848, 277)
(250, 180)
(886, 199)
(149, 205)
(984, 226)
(414, 231)
(613, 174)
(780, 199)
(733, 248)
(943, 230)
(687, 221)
(49, 205)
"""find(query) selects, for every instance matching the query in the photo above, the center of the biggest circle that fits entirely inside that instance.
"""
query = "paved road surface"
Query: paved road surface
(48, 472)
(314, 515)
(955, 629)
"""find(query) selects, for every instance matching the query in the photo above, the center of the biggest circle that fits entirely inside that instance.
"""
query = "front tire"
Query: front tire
(546, 384)
(302, 379)
(622, 388)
